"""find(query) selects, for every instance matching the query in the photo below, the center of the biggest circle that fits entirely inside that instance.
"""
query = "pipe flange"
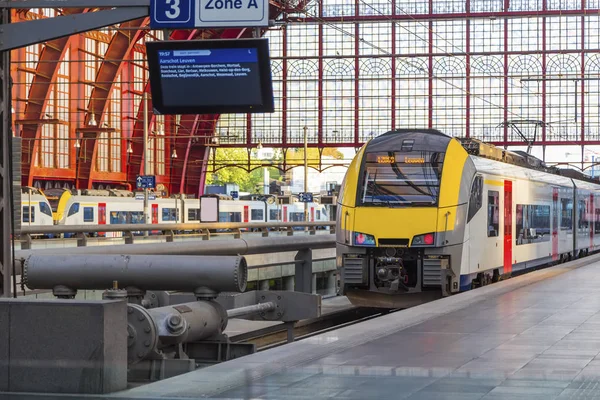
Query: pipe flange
(274, 315)
(240, 273)
(24, 267)
(64, 292)
(204, 293)
(142, 334)
(114, 294)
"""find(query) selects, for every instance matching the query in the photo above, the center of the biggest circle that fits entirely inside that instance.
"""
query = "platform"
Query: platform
(531, 337)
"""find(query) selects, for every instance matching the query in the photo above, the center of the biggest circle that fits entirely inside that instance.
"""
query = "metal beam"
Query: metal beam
(168, 227)
(6, 210)
(13, 36)
(72, 3)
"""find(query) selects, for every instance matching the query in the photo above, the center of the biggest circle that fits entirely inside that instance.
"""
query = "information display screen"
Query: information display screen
(210, 76)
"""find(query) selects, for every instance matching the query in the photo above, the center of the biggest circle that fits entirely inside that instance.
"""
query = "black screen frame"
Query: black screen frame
(264, 65)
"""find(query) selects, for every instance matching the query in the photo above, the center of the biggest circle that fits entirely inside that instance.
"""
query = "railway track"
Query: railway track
(280, 334)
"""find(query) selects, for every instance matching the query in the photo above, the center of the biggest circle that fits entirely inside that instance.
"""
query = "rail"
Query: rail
(205, 230)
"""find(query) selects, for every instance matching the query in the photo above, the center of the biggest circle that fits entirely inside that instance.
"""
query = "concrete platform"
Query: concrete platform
(532, 337)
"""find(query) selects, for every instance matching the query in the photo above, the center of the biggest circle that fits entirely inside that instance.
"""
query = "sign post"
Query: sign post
(182, 14)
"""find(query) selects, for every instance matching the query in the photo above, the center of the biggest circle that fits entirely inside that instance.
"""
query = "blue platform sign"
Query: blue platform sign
(234, 194)
(145, 182)
(208, 13)
(305, 197)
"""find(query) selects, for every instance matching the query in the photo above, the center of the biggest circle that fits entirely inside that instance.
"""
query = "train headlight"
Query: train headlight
(362, 239)
(427, 239)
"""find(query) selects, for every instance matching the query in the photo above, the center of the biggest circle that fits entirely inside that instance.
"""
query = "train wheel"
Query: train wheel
(496, 276)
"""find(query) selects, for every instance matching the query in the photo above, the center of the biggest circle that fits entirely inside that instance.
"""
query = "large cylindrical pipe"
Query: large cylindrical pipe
(182, 273)
(157, 328)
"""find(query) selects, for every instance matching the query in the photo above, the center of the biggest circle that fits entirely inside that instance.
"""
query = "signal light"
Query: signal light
(428, 239)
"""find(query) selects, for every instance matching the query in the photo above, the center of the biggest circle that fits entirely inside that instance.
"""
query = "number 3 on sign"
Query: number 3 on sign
(174, 10)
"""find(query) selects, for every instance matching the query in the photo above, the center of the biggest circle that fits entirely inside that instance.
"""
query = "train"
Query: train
(101, 207)
(422, 215)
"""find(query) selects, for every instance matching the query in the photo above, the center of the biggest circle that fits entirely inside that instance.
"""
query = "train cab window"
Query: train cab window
(45, 209)
(88, 214)
(257, 215)
(28, 214)
(566, 214)
(476, 197)
(597, 221)
(74, 209)
(193, 214)
(493, 213)
(274, 215)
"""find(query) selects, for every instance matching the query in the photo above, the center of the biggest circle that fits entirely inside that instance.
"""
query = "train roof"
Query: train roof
(478, 148)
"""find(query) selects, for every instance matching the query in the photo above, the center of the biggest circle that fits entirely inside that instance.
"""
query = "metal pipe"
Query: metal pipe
(249, 310)
(157, 328)
(204, 276)
(193, 248)
(166, 227)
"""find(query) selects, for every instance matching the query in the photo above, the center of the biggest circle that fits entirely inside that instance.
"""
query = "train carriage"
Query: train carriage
(423, 215)
(35, 209)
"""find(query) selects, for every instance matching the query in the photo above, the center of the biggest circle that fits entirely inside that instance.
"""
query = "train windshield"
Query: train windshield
(400, 178)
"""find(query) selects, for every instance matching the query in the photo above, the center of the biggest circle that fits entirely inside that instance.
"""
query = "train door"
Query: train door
(101, 216)
(590, 219)
(154, 218)
(246, 214)
(312, 214)
(508, 239)
(555, 212)
(154, 214)
(285, 214)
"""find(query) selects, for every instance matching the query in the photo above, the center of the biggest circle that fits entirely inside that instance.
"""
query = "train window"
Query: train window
(400, 178)
(27, 217)
(137, 217)
(74, 209)
(257, 215)
(170, 214)
(193, 214)
(318, 213)
(532, 223)
(566, 213)
(493, 213)
(582, 220)
(476, 197)
(88, 214)
(275, 215)
(597, 222)
(45, 209)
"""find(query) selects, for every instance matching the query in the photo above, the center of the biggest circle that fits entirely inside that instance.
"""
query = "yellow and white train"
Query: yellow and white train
(423, 215)
(62, 207)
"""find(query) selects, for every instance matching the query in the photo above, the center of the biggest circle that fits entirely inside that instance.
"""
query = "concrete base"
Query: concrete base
(63, 346)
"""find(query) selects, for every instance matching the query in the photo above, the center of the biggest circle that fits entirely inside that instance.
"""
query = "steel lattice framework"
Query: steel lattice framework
(513, 72)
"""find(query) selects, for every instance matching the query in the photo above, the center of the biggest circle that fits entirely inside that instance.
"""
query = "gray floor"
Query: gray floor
(531, 337)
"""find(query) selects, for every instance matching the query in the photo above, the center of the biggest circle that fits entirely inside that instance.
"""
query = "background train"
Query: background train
(123, 207)
(423, 215)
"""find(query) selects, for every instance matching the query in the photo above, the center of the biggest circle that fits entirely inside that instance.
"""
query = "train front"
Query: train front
(401, 219)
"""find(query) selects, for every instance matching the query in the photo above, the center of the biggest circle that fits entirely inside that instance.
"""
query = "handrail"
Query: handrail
(168, 227)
